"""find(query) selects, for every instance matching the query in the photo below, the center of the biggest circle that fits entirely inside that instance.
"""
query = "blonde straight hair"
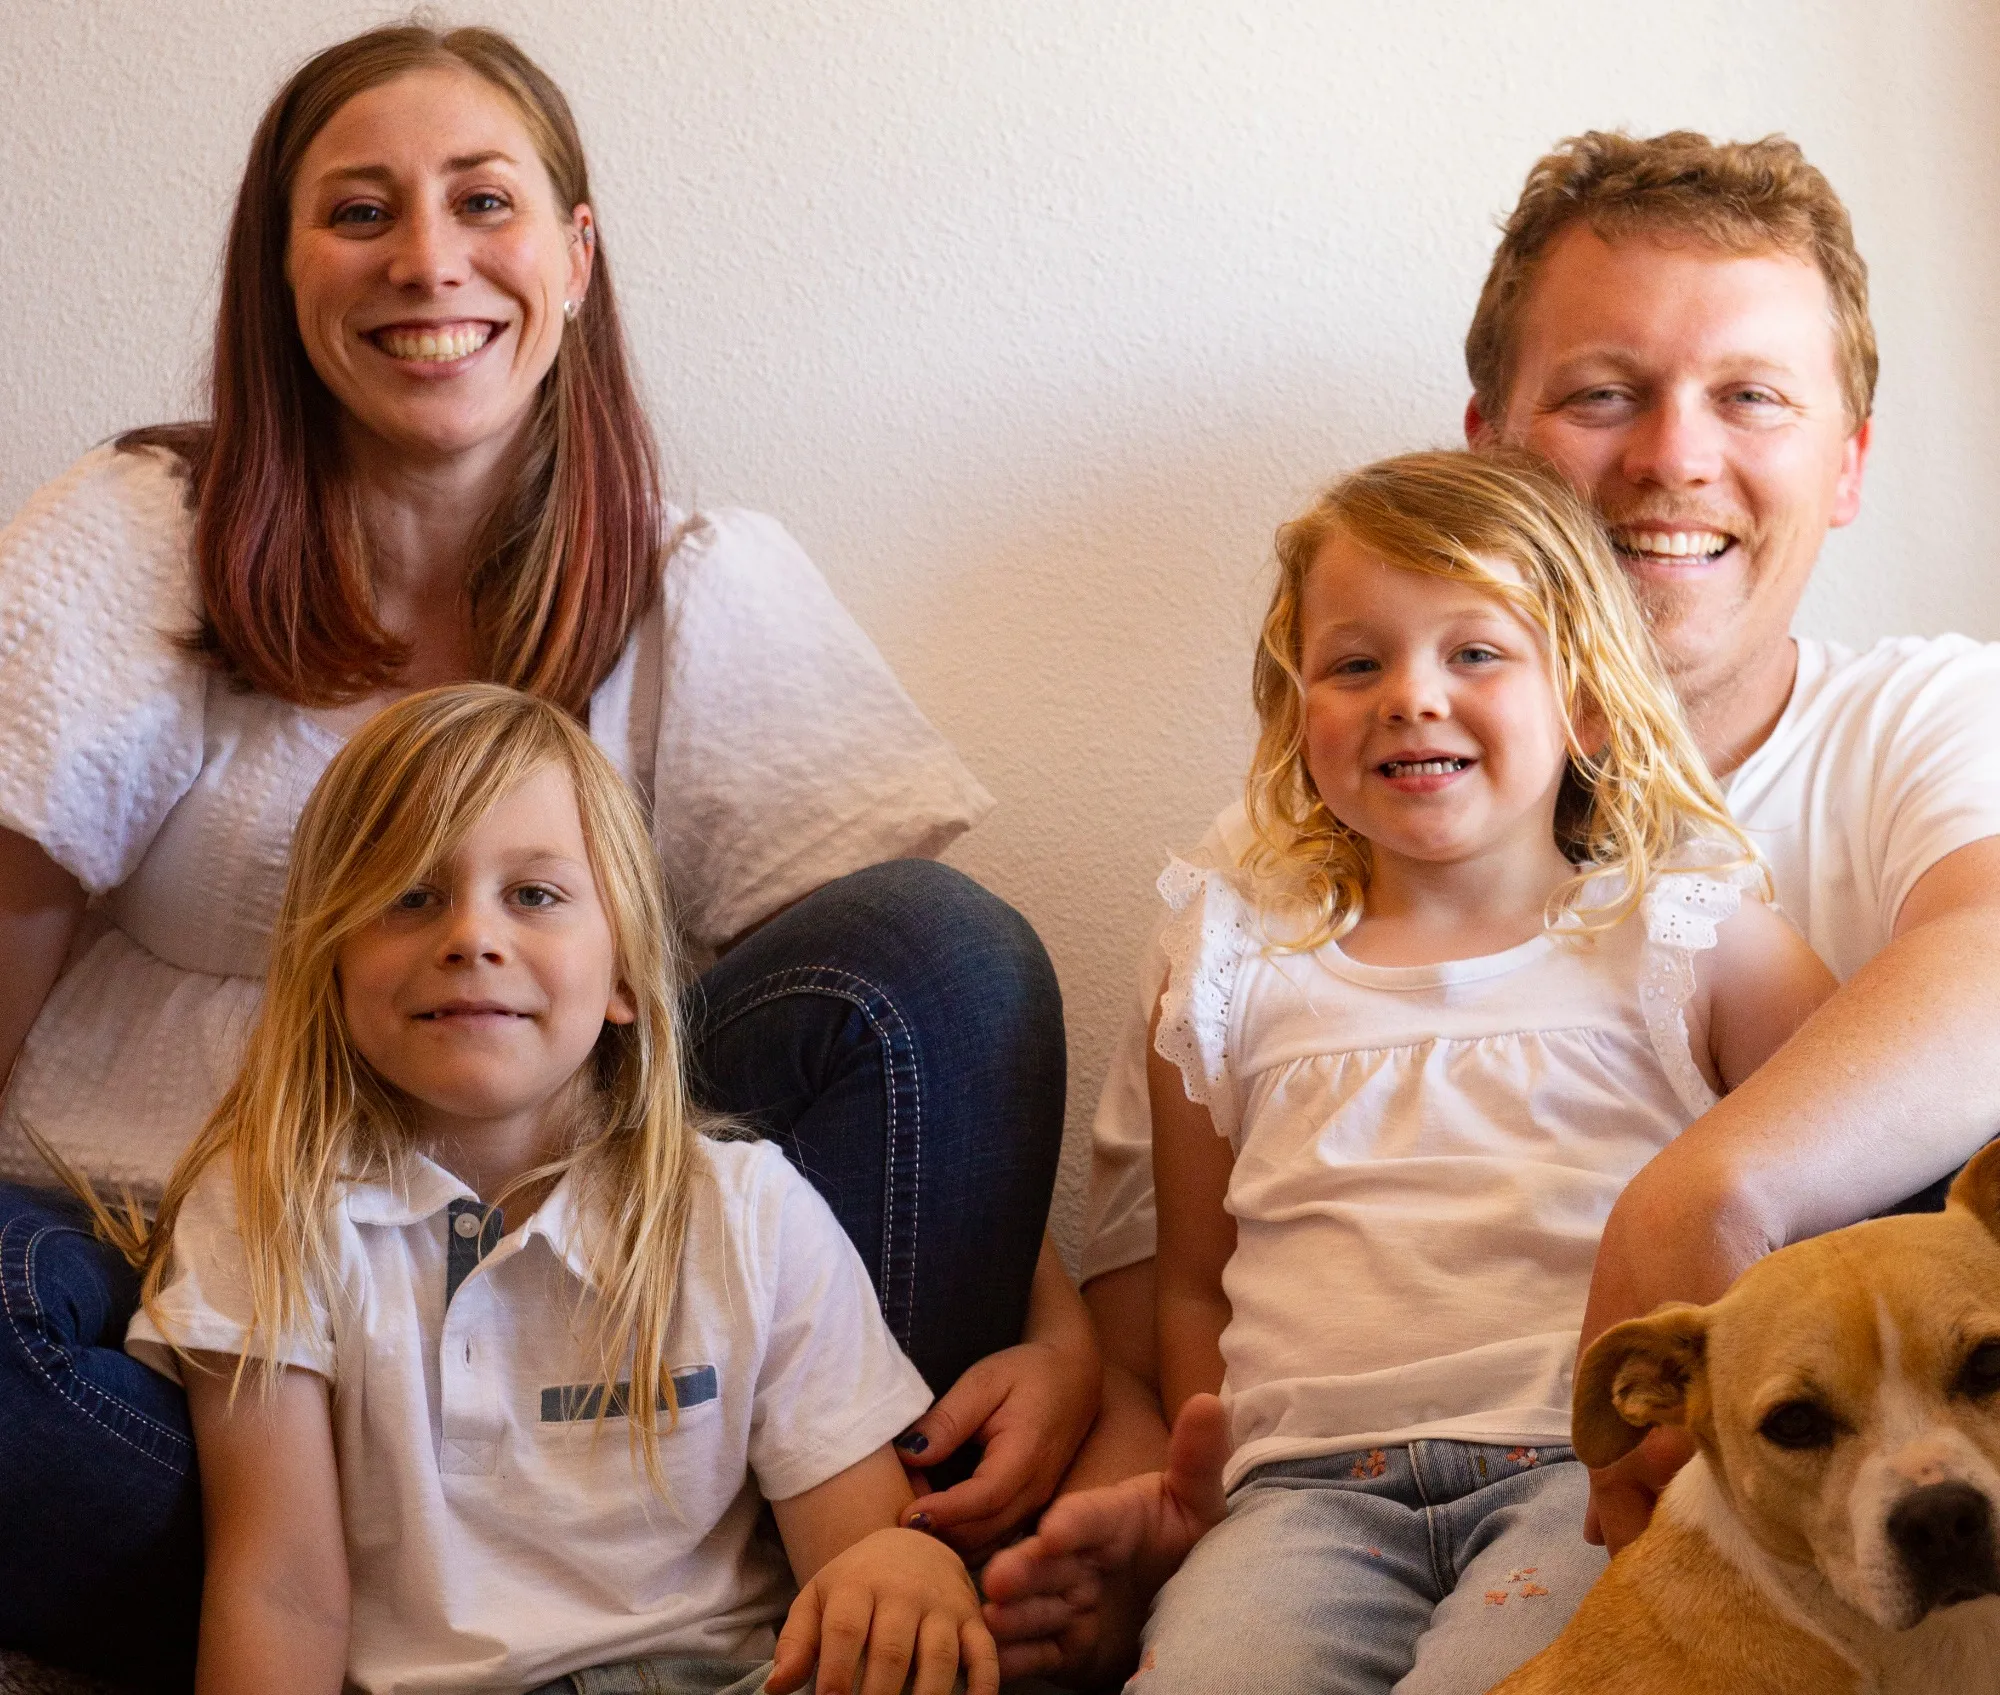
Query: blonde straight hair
(1629, 800)
(307, 1114)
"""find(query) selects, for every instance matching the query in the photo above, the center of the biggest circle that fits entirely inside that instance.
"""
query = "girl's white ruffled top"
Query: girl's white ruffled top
(1425, 1155)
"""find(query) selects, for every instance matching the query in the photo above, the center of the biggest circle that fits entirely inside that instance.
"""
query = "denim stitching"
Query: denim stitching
(26, 1339)
(1442, 1577)
(826, 979)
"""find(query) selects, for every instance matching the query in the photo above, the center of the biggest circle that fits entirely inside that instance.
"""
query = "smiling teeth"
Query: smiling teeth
(1675, 544)
(1424, 767)
(434, 345)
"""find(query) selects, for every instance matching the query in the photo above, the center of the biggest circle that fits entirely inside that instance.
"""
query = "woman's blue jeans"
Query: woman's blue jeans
(898, 1032)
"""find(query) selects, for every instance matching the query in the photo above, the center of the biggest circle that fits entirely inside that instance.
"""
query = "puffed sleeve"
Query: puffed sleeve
(1204, 943)
(1120, 1226)
(787, 752)
(100, 705)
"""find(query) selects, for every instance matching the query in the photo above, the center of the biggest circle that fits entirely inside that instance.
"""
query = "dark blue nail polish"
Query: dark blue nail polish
(912, 1442)
(920, 1521)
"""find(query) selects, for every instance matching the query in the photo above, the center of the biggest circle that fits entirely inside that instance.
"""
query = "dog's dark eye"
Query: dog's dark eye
(1798, 1425)
(1980, 1375)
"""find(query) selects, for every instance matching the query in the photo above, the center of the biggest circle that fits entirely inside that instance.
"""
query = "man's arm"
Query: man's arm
(1893, 1082)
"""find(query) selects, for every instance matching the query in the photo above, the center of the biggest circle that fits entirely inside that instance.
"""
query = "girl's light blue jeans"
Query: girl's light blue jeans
(1432, 1569)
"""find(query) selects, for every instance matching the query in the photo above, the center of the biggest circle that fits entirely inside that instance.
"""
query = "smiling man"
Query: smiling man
(1682, 326)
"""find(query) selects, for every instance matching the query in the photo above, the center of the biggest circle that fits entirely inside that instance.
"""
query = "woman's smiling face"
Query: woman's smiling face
(429, 262)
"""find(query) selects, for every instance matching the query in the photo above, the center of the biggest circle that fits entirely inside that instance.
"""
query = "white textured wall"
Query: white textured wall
(1032, 317)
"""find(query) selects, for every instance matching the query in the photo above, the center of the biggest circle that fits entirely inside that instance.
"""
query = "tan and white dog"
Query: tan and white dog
(1836, 1532)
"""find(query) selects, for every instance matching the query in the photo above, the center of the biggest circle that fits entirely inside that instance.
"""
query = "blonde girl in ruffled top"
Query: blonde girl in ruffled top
(1496, 943)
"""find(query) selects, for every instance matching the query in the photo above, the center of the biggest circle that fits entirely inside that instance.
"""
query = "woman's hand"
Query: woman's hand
(1029, 1406)
(896, 1605)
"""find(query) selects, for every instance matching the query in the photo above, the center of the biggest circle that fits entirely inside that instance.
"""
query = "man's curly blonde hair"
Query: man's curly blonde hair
(1636, 790)
(1742, 197)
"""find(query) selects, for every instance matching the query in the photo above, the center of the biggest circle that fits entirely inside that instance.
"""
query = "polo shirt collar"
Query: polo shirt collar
(420, 1188)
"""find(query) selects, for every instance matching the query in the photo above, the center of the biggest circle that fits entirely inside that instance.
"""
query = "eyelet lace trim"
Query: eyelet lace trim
(1682, 911)
(1203, 943)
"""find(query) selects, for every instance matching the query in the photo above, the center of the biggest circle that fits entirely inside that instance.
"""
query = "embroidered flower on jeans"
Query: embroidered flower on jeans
(1524, 1456)
(1371, 1464)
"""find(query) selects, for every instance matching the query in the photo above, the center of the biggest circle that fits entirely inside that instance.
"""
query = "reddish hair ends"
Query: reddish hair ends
(570, 556)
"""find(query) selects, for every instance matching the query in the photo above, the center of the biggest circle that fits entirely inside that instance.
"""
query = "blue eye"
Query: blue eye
(484, 200)
(536, 898)
(411, 900)
(359, 215)
(1477, 654)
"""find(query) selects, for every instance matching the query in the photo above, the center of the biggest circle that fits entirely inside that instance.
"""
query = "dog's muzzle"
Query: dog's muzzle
(1943, 1537)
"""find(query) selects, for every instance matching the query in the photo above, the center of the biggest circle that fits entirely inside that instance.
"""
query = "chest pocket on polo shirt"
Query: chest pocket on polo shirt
(578, 1403)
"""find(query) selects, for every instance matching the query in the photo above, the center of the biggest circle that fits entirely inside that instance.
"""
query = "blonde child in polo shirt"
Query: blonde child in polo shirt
(444, 1450)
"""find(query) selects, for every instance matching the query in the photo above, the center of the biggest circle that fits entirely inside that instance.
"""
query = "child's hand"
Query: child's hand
(908, 1602)
(1068, 1600)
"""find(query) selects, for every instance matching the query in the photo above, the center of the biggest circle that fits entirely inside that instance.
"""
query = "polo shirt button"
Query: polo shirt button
(466, 1224)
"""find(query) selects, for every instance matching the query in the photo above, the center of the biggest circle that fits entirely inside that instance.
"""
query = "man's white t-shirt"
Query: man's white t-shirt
(1882, 763)
(498, 1533)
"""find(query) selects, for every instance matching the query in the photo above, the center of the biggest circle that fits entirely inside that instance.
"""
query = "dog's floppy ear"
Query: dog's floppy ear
(1634, 1376)
(1977, 1187)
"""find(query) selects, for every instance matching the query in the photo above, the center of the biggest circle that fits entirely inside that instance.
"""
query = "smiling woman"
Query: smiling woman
(399, 191)
(424, 462)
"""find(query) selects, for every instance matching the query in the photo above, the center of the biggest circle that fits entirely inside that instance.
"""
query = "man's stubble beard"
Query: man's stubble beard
(1690, 632)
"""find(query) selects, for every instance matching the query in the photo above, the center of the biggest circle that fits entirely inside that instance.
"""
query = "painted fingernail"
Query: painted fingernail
(920, 1521)
(913, 1442)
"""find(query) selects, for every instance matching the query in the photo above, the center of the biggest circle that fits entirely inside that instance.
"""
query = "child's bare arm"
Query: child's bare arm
(903, 1597)
(274, 1604)
(1763, 981)
(1191, 1166)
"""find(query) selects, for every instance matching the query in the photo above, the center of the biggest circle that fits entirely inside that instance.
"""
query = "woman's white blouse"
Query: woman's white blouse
(1425, 1157)
(774, 747)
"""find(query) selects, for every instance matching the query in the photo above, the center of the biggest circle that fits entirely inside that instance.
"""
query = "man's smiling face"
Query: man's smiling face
(1694, 395)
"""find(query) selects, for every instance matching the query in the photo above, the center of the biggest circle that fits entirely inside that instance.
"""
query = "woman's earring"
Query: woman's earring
(569, 311)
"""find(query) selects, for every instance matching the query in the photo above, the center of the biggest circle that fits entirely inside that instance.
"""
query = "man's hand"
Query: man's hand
(1677, 1233)
(1069, 1599)
(1622, 1496)
(901, 1600)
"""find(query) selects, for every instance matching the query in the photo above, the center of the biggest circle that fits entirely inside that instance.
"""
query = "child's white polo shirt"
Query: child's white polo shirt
(497, 1534)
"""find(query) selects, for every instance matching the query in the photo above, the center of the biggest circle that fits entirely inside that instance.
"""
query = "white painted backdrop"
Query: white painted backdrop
(1032, 317)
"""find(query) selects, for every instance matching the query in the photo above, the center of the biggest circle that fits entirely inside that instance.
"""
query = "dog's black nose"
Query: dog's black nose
(1944, 1533)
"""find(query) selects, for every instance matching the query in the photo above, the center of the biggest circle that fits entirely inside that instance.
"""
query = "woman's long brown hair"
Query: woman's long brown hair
(567, 560)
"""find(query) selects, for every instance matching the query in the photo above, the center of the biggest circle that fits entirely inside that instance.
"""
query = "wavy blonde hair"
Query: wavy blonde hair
(1626, 804)
(308, 1114)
